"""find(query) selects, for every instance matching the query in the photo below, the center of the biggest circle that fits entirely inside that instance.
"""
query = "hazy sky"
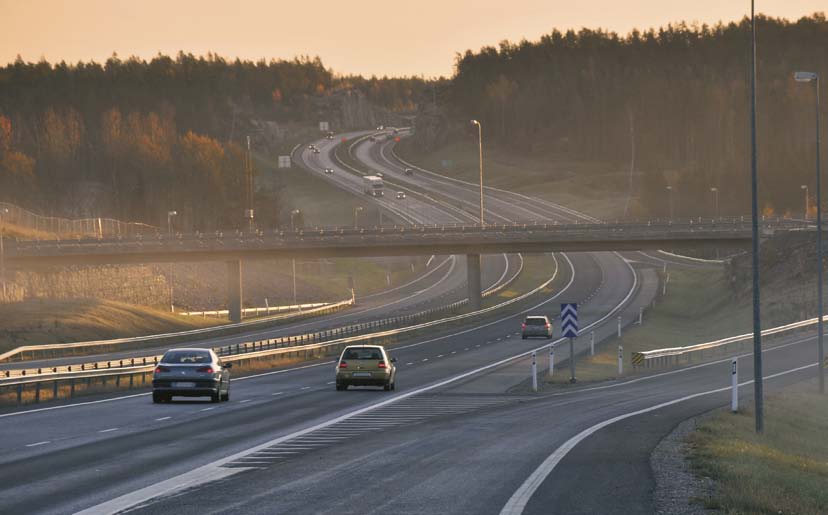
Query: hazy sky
(393, 37)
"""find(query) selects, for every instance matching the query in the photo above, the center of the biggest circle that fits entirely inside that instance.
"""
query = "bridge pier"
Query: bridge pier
(473, 280)
(234, 290)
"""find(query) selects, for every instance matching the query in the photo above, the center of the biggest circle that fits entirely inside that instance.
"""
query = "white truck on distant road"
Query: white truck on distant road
(372, 185)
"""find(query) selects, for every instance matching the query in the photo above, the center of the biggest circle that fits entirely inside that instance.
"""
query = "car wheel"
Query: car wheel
(341, 387)
(226, 396)
(523, 337)
(394, 385)
(215, 397)
(387, 386)
(157, 397)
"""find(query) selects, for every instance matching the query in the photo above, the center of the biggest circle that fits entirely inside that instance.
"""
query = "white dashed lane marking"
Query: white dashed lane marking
(162, 419)
(108, 430)
(412, 410)
(37, 444)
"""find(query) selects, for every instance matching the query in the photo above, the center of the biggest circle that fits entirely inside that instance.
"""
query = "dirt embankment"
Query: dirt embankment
(788, 273)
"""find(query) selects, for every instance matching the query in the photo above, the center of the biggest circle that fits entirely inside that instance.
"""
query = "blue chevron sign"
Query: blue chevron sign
(569, 320)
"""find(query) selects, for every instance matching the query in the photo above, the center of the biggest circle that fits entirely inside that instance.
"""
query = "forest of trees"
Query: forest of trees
(683, 91)
(131, 139)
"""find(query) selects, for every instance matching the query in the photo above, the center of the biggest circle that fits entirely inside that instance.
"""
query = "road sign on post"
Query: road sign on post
(569, 329)
(284, 161)
(324, 126)
(569, 320)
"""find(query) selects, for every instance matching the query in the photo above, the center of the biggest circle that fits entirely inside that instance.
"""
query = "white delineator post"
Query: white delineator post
(592, 343)
(534, 373)
(551, 360)
(620, 360)
(734, 383)
(640, 314)
(619, 326)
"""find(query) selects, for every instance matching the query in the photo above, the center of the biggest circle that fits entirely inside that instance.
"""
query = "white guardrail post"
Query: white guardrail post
(592, 343)
(620, 360)
(551, 359)
(734, 385)
(534, 372)
(619, 326)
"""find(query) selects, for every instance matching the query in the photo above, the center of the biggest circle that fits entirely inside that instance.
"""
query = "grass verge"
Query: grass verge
(37, 321)
(698, 307)
(785, 470)
(590, 187)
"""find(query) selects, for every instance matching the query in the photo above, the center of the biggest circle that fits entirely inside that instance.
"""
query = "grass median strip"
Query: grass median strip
(785, 470)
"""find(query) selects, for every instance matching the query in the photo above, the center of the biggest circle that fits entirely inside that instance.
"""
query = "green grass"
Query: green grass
(785, 470)
(698, 307)
(36, 321)
(591, 187)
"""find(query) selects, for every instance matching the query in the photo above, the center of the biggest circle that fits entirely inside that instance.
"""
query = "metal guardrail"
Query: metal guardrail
(293, 342)
(263, 349)
(258, 311)
(672, 355)
(59, 349)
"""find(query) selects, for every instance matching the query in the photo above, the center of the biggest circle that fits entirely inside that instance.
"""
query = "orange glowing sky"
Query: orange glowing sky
(373, 37)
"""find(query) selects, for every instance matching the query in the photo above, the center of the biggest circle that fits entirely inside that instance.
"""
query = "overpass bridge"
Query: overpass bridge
(408, 240)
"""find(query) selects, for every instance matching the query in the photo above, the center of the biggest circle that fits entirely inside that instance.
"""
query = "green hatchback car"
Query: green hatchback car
(365, 365)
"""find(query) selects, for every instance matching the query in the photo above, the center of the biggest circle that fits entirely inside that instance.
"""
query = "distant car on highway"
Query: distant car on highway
(311, 146)
(400, 195)
(409, 171)
(366, 365)
(191, 373)
(536, 326)
(329, 171)
(315, 150)
(329, 135)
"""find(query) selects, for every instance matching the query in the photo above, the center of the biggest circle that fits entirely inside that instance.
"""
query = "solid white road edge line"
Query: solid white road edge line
(517, 503)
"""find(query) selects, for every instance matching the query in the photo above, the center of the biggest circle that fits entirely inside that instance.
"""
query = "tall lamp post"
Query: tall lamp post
(480, 150)
(170, 215)
(813, 77)
(293, 215)
(758, 385)
(715, 201)
(3, 213)
(805, 187)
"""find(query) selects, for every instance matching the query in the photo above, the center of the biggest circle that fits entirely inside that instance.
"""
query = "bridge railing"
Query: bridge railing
(696, 225)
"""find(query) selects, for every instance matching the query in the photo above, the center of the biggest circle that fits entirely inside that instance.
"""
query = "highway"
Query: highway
(108, 453)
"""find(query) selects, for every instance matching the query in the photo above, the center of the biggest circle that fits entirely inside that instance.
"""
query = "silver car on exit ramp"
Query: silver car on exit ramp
(536, 325)
(191, 373)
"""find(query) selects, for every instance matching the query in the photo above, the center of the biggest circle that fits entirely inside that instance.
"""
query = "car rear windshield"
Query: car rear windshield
(184, 357)
(362, 354)
(535, 321)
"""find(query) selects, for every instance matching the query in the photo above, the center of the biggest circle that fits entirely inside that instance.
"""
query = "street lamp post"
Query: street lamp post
(805, 187)
(758, 379)
(813, 77)
(3, 212)
(170, 215)
(715, 201)
(670, 191)
(357, 211)
(480, 149)
(293, 215)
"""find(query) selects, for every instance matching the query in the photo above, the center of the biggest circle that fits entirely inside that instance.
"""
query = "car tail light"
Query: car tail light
(548, 325)
(206, 370)
(523, 326)
(381, 364)
(342, 364)
(160, 369)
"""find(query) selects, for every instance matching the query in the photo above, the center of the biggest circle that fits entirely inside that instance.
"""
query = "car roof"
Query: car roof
(191, 349)
(535, 316)
(365, 347)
